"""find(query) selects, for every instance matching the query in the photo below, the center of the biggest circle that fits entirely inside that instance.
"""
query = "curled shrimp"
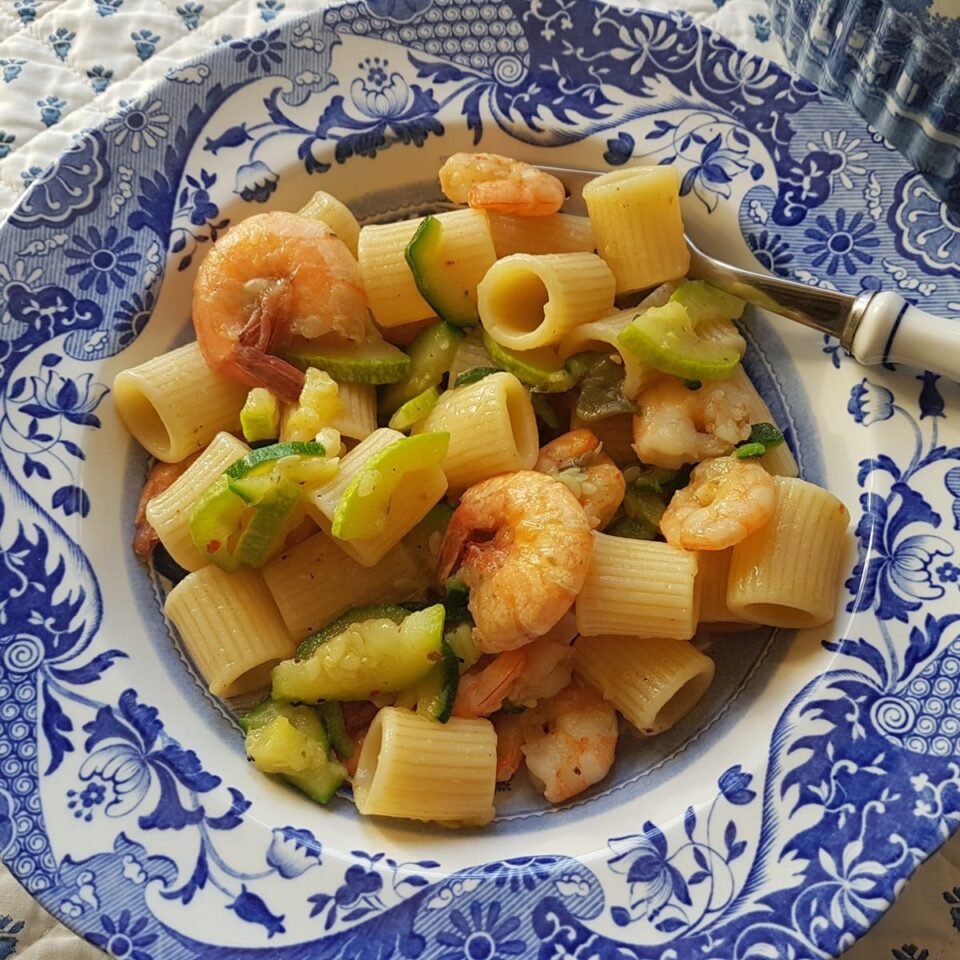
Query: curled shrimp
(161, 476)
(677, 425)
(521, 543)
(483, 689)
(577, 459)
(724, 502)
(509, 728)
(488, 181)
(569, 741)
(269, 280)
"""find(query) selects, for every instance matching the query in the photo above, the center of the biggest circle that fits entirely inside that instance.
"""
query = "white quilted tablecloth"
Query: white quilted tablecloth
(68, 64)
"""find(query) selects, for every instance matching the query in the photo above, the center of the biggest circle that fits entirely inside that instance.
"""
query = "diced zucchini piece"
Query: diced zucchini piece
(539, 369)
(332, 715)
(365, 660)
(380, 611)
(291, 741)
(425, 538)
(267, 526)
(413, 411)
(461, 641)
(705, 304)
(601, 387)
(472, 376)
(432, 274)
(437, 691)
(260, 416)
(430, 352)
(373, 361)
(362, 511)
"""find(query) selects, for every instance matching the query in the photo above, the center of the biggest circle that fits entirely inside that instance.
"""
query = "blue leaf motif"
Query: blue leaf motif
(90, 671)
(862, 650)
(882, 462)
(197, 881)
(55, 724)
(735, 786)
(952, 483)
(71, 499)
(670, 924)
(620, 916)
(689, 822)
(17, 388)
(924, 642)
(730, 835)
(234, 816)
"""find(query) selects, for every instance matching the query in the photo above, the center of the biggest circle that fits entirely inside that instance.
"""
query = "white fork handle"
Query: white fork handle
(893, 331)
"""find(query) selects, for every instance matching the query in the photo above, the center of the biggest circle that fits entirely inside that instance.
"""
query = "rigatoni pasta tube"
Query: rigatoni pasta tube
(169, 512)
(555, 233)
(638, 588)
(358, 419)
(415, 493)
(779, 461)
(158, 402)
(492, 428)
(528, 301)
(336, 215)
(416, 768)
(635, 214)
(465, 249)
(313, 582)
(231, 627)
(786, 574)
(653, 682)
(713, 568)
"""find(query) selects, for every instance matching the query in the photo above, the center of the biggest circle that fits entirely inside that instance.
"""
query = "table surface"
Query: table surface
(98, 53)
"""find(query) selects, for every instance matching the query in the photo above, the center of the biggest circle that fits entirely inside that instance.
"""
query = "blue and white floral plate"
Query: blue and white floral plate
(777, 822)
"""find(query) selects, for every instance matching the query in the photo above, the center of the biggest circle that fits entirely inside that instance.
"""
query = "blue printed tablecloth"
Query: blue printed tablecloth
(69, 64)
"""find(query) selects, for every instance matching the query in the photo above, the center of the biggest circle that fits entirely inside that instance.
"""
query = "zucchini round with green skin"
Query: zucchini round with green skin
(331, 714)
(371, 362)
(380, 611)
(413, 411)
(367, 658)
(437, 691)
(364, 507)
(474, 375)
(430, 352)
(539, 369)
(431, 271)
(291, 741)
(705, 304)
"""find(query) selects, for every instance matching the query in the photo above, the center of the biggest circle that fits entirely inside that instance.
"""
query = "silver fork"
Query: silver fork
(875, 326)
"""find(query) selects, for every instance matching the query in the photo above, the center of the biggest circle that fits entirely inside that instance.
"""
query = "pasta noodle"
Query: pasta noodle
(713, 567)
(639, 588)
(157, 402)
(169, 512)
(492, 428)
(231, 627)
(412, 767)
(556, 233)
(635, 214)
(653, 682)
(359, 416)
(529, 301)
(779, 461)
(786, 573)
(336, 215)
(313, 582)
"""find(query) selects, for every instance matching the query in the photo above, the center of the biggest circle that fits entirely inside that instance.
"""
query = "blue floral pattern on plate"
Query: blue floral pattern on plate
(141, 826)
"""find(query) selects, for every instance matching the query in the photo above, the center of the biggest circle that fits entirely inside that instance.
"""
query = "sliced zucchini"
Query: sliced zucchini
(430, 352)
(332, 715)
(260, 416)
(601, 387)
(291, 741)
(539, 369)
(364, 508)
(425, 538)
(435, 277)
(437, 691)
(461, 641)
(472, 376)
(413, 411)
(367, 659)
(380, 611)
(374, 361)
(706, 304)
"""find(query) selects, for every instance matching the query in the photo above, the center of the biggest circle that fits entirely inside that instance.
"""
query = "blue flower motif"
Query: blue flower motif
(61, 41)
(761, 27)
(292, 851)
(5, 140)
(248, 906)
(141, 125)
(26, 10)
(520, 873)
(189, 13)
(619, 149)
(270, 9)
(261, 53)
(735, 786)
(380, 95)
(710, 179)
(51, 109)
(145, 42)
(102, 259)
(653, 880)
(57, 396)
(399, 10)
(107, 8)
(11, 68)
(931, 403)
(83, 803)
(948, 572)
(132, 316)
(870, 403)
(99, 77)
(122, 938)
(476, 937)
(893, 573)
(840, 243)
(771, 251)
(255, 182)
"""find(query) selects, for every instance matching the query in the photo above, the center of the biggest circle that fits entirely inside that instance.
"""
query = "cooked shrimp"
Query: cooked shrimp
(677, 425)
(272, 278)
(577, 459)
(483, 688)
(521, 543)
(488, 181)
(724, 502)
(161, 476)
(509, 727)
(569, 741)
(548, 670)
